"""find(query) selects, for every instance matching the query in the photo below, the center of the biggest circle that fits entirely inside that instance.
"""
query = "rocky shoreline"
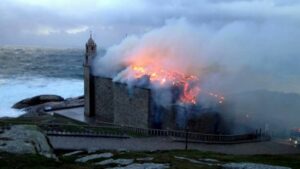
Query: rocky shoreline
(39, 105)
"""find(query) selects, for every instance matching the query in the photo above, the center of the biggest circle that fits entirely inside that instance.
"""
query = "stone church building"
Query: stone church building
(112, 102)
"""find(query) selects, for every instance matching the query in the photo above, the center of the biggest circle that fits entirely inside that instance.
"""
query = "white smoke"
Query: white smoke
(228, 58)
(238, 56)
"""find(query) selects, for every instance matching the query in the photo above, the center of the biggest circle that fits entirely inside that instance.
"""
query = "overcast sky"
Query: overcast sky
(66, 23)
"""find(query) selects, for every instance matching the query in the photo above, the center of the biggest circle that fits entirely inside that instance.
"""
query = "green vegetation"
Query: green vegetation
(10, 161)
(44, 119)
(28, 161)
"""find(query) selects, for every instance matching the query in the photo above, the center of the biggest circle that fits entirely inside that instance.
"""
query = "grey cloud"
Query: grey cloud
(112, 23)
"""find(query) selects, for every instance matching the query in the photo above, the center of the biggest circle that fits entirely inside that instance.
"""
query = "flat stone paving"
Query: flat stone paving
(165, 143)
(93, 156)
(74, 113)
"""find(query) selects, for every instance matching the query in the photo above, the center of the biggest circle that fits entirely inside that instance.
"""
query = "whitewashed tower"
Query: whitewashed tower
(90, 53)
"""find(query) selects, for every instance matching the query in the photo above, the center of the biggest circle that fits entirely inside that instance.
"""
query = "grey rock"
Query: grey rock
(209, 160)
(75, 98)
(42, 109)
(21, 139)
(94, 156)
(72, 153)
(36, 100)
(116, 161)
(92, 150)
(196, 161)
(145, 159)
(251, 166)
(144, 166)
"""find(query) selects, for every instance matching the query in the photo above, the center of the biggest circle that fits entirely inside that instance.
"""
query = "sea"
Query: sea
(29, 71)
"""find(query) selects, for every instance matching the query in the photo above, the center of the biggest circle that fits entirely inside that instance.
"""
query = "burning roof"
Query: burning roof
(188, 85)
(165, 61)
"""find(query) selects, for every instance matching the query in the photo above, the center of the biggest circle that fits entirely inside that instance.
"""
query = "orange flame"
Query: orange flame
(162, 77)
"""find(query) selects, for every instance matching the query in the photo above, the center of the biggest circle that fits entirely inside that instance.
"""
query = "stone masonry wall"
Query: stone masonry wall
(131, 106)
(87, 101)
(103, 99)
(115, 103)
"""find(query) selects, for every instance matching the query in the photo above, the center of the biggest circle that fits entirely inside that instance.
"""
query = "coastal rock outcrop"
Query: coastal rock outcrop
(36, 100)
(24, 139)
(39, 105)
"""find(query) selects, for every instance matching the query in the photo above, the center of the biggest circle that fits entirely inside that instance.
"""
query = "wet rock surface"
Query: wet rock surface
(23, 139)
(36, 100)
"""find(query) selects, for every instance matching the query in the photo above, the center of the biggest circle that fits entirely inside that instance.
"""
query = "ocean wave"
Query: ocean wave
(59, 63)
(13, 90)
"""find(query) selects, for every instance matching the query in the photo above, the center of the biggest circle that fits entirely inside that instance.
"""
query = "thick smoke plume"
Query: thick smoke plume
(177, 46)
(239, 56)
(229, 59)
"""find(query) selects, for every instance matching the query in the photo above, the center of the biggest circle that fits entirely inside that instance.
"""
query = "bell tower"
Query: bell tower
(90, 53)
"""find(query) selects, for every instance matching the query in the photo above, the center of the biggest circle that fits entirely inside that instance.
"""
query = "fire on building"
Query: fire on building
(148, 95)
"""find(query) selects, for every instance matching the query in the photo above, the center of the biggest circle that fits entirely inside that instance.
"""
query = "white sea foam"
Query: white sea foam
(14, 90)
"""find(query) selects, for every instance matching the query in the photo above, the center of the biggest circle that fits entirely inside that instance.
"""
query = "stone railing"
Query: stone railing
(59, 129)
(86, 134)
(126, 131)
(200, 137)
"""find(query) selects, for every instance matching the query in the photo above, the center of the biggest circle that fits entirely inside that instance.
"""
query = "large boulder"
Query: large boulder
(24, 139)
(36, 100)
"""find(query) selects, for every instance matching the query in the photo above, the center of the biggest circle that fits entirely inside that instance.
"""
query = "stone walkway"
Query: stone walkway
(165, 143)
(106, 161)
(74, 113)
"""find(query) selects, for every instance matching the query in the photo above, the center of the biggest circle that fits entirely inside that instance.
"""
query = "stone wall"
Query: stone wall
(169, 118)
(115, 103)
(103, 99)
(87, 87)
(208, 122)
(131, 106)
(162, 117)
